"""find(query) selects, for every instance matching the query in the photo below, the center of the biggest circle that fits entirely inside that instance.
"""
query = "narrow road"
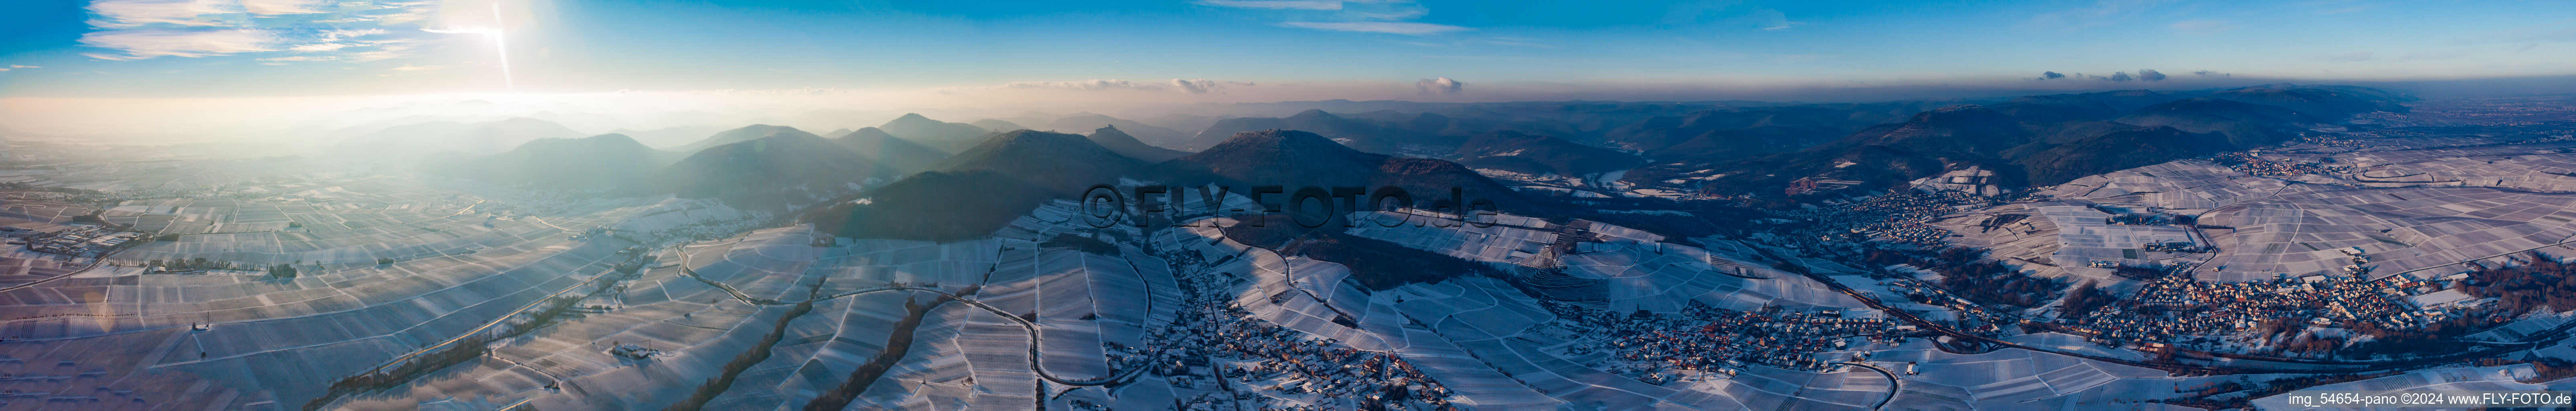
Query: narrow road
(1036, 338)
(93, 263)
(1892, 383)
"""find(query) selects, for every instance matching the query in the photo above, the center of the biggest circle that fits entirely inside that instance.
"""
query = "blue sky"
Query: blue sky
(1244, 50)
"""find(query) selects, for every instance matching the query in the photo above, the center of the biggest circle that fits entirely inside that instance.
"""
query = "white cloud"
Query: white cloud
(318, 47)
(1094, 84)
(131, 13)
(276, 7)
(1393, 27)
(273, 61)
(334, 35)
(1442, 85)
(1397, 14)
(148, 43)
(385, 50)
(408, 69)
(1276, 4)
(1196, 86)
(347, 30)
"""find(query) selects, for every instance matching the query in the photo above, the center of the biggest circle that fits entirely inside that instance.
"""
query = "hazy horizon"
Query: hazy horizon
(156, 70)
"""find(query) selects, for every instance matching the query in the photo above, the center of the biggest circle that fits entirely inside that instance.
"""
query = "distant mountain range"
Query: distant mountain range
(901, 154)
(1364, 135)
(670, 136)
(1718, 148)
(2042, 140)
(987, 186)
(757, 166)
(1128, 145)
(595, 162)
(415, 140)
(737, 135)
(785, 169)
(981, 189)
(946, 136)
(1540, 154)
(1147, 133)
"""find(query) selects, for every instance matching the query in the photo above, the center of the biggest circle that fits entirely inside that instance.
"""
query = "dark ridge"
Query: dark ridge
(2126, 100)
(980, 190)
(1064, 163)
(937, 206)
(782, 171)
(1357, 134)
(1146, 133)
(1540, 154)
(946, 136)
(1127, 145)
(2319, 102)
(2245, 124)
(1294, 159)
(1377, 265)
(2035, 140)
(904, 156)
(1724, 144)
(1772, 129)
(2118, 150)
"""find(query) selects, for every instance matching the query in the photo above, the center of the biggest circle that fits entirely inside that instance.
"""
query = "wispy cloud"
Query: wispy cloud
(15, 67)
(408, 69)
(2100, 13)
(280, 61)
(2562, 30)
(1369, 16)
(1192, 86)
(1391, 27)
(2202, 27)
(309, 30)
(1442, 85)
(1094, 84)
(276, 7)
(134, 13)
(1726, 13)
(144, 44)
(1276, 4)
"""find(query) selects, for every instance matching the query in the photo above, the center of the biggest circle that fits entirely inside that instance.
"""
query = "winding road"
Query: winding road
(1036, 338)
(1892, 383)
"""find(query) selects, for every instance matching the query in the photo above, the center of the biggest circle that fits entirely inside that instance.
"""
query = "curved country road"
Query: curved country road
(1035, 337)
